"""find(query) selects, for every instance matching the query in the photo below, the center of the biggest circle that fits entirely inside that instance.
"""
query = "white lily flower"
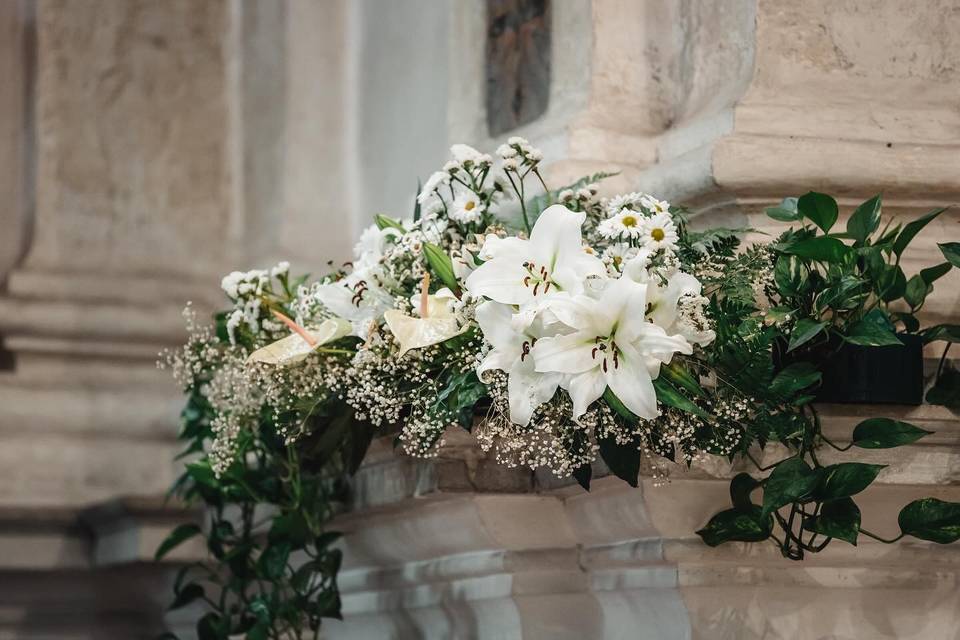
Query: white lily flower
(527, 388)
(553, 259)
(612, 346)
(301, 343)
(676, 305)
(437, 322)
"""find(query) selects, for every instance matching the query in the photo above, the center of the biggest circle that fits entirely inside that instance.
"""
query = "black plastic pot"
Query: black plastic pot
(864, 375)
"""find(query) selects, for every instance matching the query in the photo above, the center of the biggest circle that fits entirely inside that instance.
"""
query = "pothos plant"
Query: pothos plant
(569, 332)
(831, 288)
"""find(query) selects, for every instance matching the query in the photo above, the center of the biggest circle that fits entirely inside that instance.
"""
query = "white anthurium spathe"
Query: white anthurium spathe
(612, 345)
(436, 323)
(527, 388)
(676, 305)
(301, 343)
(553, 260)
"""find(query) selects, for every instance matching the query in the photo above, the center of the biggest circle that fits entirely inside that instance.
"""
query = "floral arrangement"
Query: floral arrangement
(568, 331)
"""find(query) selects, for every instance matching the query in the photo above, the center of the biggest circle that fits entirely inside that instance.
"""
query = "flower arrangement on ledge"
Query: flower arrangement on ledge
(569, 332)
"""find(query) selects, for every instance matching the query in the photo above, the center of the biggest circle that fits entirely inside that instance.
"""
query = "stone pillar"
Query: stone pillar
(134, 194)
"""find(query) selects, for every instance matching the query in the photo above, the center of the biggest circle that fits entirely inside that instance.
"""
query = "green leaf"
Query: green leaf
(912, 229)
(786, 211)
(789, 481)
(871, 334)
(741, 486)
(441, 265)
(621, 409)
(837, 519)
(821, 249)
(945, 332)
(583, 474)
(819, 208)
(885, 433)
(623, 460)
(290, 527)
(211, 627)
(793, 378)
(892, 284)
(667, 394)
(186, 595)
(932, 274)
(177, 537)
(737, 525)
(383, 222)
(804, 331)
(846, 479)
(865, 220)
(916, 291)
(678, 375)
(272, 563)
(327, 538)
(951, 251)
(946, 390)
(931, 519)
(416, 202)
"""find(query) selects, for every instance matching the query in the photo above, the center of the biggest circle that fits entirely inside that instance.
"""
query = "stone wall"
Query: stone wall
(147, 147)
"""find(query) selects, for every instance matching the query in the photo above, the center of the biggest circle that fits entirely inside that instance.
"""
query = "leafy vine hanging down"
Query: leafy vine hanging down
(563, 329)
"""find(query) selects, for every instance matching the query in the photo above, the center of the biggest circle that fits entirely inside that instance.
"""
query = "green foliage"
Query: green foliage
(837, 519)
(749, 525)
(884, 433)
(931, 519)
(822, 289)
(441, 265)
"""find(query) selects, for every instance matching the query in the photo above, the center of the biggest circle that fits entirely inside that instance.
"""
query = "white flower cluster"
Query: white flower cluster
(640, 220)
(543, 326)
(556, 318)
(251, 292)
(460, 191)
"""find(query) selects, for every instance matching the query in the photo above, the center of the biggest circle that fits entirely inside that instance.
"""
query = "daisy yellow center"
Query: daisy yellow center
(657, 234)
(629, 221)
(469, 205)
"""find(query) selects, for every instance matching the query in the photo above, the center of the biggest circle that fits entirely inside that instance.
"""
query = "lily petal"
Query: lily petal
(499, 279)
(495, 323)
(528, 389)
(584, 389)
(632, 384)
(571, 353)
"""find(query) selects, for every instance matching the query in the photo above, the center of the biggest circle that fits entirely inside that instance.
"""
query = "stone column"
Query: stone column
(134, 194)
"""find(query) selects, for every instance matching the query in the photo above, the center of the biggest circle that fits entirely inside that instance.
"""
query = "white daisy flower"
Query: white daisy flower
(616, 256)
(626, 224)
(464, 153)
(659, 232)
(434, 182)
(655, 206)
(624, 201)
(466, 208)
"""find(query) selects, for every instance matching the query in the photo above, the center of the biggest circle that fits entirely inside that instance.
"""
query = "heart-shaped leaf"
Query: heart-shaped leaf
(837, 519)
(819, 208)
(886, 433)
(734, 524)
(931, 519)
